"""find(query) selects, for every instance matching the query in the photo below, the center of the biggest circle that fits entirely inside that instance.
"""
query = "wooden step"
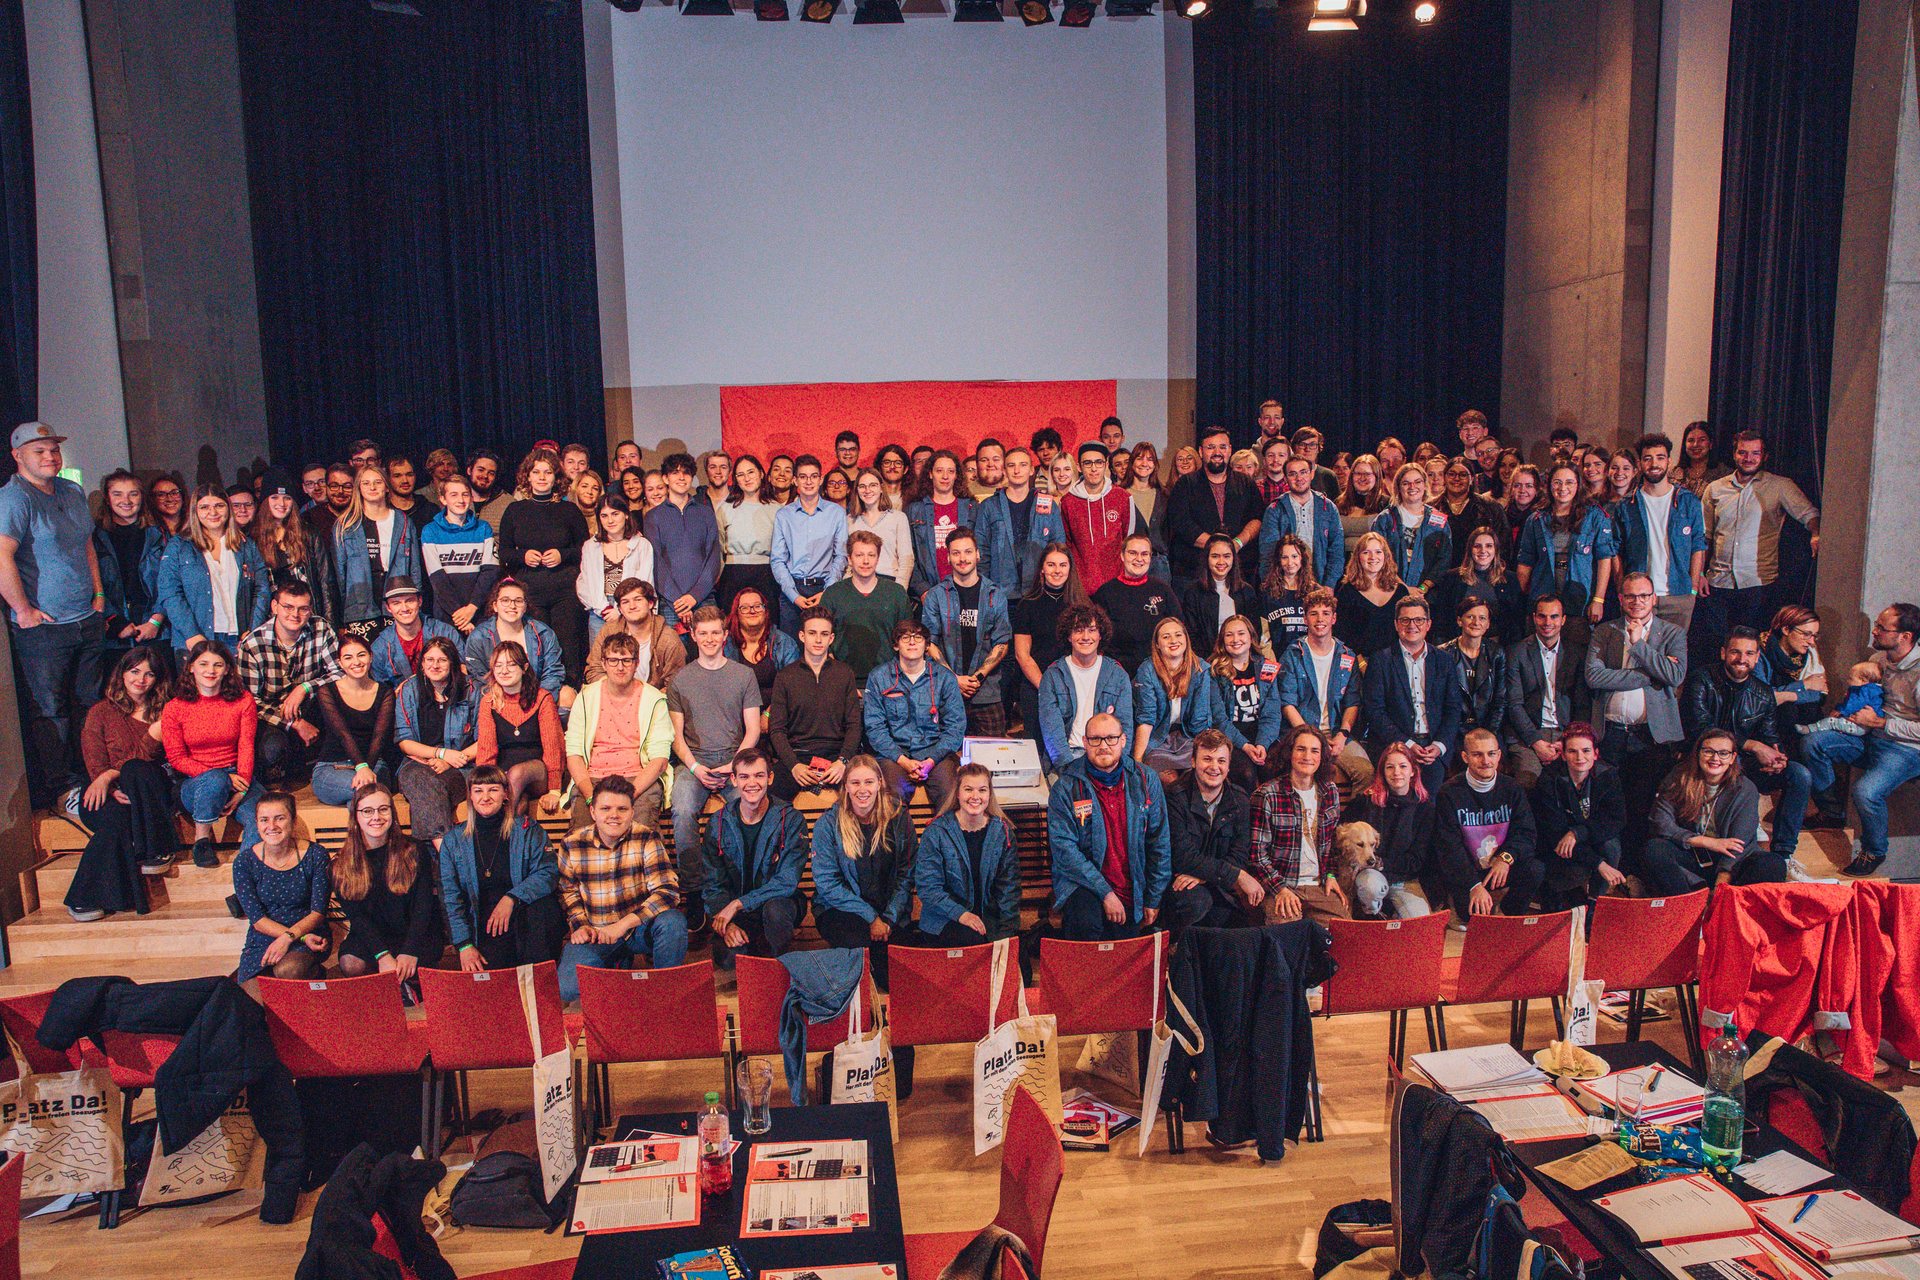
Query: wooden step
(193, 930)
(183, 883)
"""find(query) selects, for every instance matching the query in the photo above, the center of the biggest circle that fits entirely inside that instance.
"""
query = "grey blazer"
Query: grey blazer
(1657, 664)
(1526, 681)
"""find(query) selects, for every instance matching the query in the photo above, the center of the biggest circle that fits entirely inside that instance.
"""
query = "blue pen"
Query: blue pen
(1808, 1205)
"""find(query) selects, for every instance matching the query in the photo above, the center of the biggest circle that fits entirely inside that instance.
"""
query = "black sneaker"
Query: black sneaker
(204, 854)
(1825, 822)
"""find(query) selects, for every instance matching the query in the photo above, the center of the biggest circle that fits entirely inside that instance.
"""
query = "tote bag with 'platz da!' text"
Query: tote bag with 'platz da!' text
(1022, 1050)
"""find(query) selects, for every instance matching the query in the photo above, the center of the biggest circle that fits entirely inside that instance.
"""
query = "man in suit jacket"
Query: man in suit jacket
(1636, 666)
(1413, 695)
(1213, 500)
(1535, 720)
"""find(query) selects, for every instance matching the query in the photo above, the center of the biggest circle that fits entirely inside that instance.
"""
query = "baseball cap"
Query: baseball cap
(400, 585)
(28, 432)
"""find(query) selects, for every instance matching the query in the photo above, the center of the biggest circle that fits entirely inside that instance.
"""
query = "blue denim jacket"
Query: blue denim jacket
(920, 525)
(1015, 568)
(786, 650)
(945, 880)
(1591, 543)
(530, 865)
(921, 719)
(940, 610)
(459, 729)
(1299, 690)
(361, 598)
(836, 877)
(1686, 534)
(1329, 541)
(1432, 547)
(543, 651)
(1153, 706)
(1077, 836)
(1112, 695)
(185, 591)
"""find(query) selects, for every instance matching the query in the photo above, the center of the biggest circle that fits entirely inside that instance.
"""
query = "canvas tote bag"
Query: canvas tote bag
(67, 1125)
(554, 1127)
(1023, 1050)
(863, 1065)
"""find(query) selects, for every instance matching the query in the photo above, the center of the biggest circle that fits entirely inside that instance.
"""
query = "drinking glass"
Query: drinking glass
(754, 1077)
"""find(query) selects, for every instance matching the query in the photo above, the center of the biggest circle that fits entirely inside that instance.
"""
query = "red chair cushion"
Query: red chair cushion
(929, 1252)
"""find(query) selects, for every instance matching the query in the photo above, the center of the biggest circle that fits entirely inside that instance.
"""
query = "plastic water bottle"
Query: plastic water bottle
(1725, 1120)
(716, 1165)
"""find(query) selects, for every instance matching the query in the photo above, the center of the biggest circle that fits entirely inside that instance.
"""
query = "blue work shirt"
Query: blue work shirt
(809, 546)
(54, 531)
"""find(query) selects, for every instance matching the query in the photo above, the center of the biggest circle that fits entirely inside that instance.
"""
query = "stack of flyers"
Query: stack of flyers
(1089, 1123)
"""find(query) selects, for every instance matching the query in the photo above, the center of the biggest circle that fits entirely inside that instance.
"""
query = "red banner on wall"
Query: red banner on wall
(805, 417)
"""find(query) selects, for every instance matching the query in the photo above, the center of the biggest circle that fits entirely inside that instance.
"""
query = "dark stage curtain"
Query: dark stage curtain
(422, 224)
(1789, 98)
(19, 268)
(1352, 219)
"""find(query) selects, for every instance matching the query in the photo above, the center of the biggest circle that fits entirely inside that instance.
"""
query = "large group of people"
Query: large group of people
(1535, 683)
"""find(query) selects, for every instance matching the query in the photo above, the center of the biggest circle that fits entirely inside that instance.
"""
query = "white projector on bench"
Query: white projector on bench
(1013, 762)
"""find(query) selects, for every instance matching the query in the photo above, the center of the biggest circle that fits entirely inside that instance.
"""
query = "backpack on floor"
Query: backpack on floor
(1507, 1250)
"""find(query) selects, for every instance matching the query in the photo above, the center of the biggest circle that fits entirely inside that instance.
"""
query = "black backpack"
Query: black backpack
(504, 1190)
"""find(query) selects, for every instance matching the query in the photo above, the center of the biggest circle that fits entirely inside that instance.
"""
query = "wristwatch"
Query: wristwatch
(1503, 856)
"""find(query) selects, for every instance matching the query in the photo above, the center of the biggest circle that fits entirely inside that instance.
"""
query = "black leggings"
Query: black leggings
(551, 599)
(1671, 869)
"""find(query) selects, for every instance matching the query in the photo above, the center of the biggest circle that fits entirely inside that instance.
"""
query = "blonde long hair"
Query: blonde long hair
(232, 539)
(1179, 681)
(953, 797)
(356, 509)
(853, 836)
(1389, 575)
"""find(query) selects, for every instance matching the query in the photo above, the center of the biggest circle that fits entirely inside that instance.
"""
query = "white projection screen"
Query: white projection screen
(933, 200)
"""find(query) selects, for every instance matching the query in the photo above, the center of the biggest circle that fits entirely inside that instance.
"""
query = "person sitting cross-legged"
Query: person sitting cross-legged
(1294, 817)
(618, 887)
(755, 850)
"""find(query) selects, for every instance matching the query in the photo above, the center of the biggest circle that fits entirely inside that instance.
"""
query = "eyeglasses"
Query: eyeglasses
(1716, 753)
(608, 660)
(375, 810)
(1806, 632)
(1105, 740)
(1636, 595)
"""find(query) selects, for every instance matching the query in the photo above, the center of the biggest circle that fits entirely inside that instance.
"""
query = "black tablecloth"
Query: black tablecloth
(630, 1255)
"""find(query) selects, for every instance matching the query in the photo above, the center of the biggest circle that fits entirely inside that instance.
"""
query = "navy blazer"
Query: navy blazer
(1388, 699)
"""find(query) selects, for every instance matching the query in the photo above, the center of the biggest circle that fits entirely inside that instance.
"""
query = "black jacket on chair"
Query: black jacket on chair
(1746, 710)
(1242, 1051)
(1869, 1139)
(340, 1243)
(224, 1048)
(1446, 1161)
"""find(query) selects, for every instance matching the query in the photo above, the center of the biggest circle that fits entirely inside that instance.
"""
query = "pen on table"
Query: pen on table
(781, 1155)
(1653, 1080)
(1804, 1207)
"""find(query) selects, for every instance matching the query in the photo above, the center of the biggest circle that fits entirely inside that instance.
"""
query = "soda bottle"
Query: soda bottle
(1725, 1120)
(716, 1164)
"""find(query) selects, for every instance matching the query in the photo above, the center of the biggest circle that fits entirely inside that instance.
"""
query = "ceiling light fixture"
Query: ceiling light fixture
(706, 8)
(818, 10)
(1035, 13)
(1425, 12)
(978, 11)
(1196, 8)
(1336, 15)
(1131, 8)
(867, 13)
(1077, 13)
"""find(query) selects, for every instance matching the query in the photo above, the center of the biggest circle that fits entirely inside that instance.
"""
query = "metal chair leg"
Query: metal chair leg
(1394, 1034)
(426, 1110)
(1559, 1017)
(436, 1146)
(1433, 1041)
(1516, 1023)
(1440, 1020)
(1636, 1013)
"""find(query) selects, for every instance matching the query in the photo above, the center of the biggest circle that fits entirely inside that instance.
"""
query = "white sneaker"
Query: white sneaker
(71, 802)
(86, 917)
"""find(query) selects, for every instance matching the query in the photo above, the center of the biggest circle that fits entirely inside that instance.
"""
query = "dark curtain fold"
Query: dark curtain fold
(1352, 219)
(422, 224)
(19, 265)
(1782, 190)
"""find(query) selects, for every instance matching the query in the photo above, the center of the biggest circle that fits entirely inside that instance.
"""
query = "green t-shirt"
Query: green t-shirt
(863, 624)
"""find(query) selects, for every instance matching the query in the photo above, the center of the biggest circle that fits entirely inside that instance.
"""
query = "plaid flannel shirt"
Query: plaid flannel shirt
(1274, 853)
(271, 673)
(599, 885)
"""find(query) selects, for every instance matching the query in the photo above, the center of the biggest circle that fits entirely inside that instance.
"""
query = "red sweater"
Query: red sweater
(208, 734)
(1096, 528)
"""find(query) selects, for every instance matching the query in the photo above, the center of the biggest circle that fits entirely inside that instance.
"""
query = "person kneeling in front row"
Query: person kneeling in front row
(1107, 836)
(618, 887)
(754, 851)
(497, 882)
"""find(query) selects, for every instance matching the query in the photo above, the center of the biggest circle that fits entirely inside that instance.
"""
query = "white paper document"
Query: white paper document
(633, 1204)
(1756, 1256)
(640, 1158)
(1483, 1070)
(805, 1208)
(1838, 1224)
(1533, 1117)
(1678, 1208)
(1781, 1173)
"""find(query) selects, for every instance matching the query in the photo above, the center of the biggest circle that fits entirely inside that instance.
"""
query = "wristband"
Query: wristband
(306, 687)
(381, 955)
(465, 946)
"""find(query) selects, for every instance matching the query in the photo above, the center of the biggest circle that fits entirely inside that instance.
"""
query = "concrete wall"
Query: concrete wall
(1579, 197)
(167, 92)
(1689, 138)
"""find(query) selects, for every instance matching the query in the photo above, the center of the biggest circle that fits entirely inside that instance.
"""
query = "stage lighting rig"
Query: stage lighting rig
(1036, 13)
(1132, 8)
(771, 10)
(868, 13)
(978, 11)
(818, 10)
(1195, 8)
(706, 8)
(1425, 12)
(1336, 15)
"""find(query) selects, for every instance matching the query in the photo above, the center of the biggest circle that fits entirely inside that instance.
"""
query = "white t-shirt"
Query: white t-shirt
(384, 529)
(1659, 546)
(1309, 836)
(1086, 681)
(1322, 673)
(223, 573)
(1223, 605)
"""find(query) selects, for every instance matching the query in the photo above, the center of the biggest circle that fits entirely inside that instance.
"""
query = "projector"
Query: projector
(1013, 762)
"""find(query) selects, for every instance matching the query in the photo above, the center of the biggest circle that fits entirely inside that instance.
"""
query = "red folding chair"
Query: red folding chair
(1642, 944)
(938, 995)
(475, 1023)
(761, 987)
(1091, 987)
(11, 1172)
(1031, 1166)
(339, 1027)
(1391, 967)
(647, 1015)
(1515, 959)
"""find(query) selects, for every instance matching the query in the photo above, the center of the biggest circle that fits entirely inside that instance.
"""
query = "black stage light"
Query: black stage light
(868, 12)
(627, 6)
(1076, 13)
(1035, 13)
(770, 10)
(818, 10)
(978, 11)
(1336, 15)
(706, 8)
(1131, 8)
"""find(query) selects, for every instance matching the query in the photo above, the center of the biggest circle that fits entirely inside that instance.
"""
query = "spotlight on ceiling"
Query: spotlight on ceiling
(1131, 8)
(1076, 13)
(818, 10)
(1425, 12)
(1336, 15)
(706, 8)
(626, 6)
(1035, 13)
(771, 10)
(1195, 8)
(869, 12)
(978, 11)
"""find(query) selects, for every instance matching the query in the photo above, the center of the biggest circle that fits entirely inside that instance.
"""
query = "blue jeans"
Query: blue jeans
(1795, 784)
(203, 798)
(690, 796)
(59, 667)
(1884, 766)
(664, 938)
(333, 783)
